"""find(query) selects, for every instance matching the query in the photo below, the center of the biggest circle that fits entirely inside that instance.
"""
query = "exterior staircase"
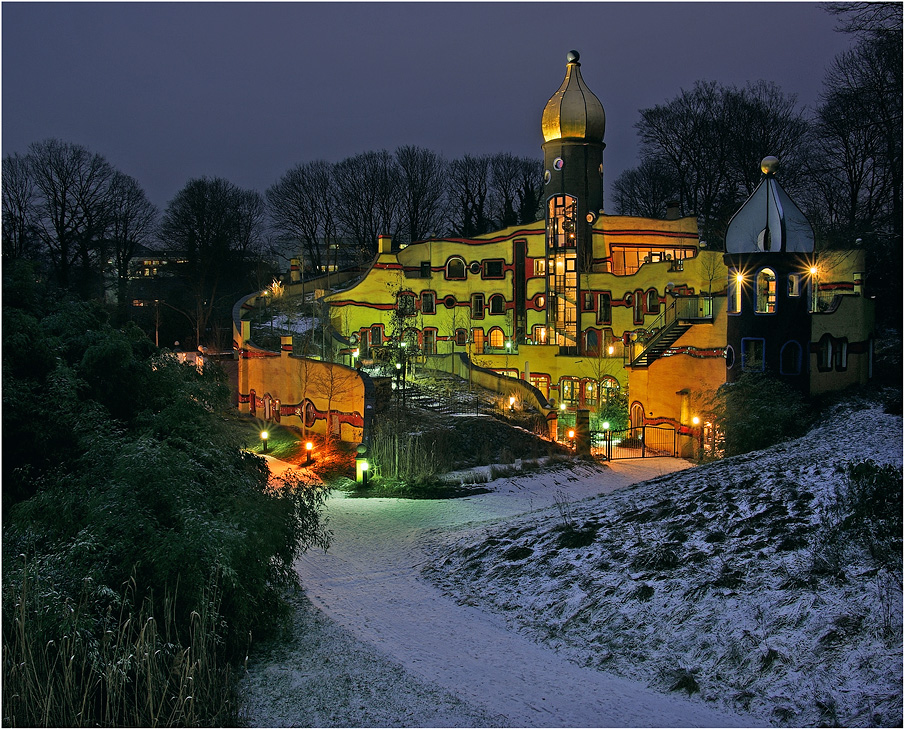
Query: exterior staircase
(674, 322)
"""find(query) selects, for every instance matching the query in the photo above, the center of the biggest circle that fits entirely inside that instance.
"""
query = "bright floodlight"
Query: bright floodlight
(309, 446)
(695, 420)
(606, 425)
(264, 435)
(813, 271)
(571, 434)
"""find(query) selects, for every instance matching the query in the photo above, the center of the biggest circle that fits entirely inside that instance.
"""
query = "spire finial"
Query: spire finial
(769, 165)
(573, 57)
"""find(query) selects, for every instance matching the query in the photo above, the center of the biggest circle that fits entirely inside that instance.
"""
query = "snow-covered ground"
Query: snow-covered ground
(479, 612)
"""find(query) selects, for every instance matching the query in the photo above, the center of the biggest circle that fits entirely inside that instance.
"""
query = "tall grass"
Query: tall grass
(131, 669)
(403, 457)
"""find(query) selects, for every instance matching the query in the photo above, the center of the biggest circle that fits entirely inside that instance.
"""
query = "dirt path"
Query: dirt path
(369, 584)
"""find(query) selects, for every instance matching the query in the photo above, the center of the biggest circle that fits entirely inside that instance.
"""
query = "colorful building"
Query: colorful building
(582, 303)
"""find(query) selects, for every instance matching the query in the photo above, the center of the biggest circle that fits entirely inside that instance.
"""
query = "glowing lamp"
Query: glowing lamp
(606, 425)
(511, 401)
(813, 271)
(739, 278)
(398, 365)
(571, 433)
(264, 436)
(308, 447)
(695, 420)
(610, 350)
(562, 406)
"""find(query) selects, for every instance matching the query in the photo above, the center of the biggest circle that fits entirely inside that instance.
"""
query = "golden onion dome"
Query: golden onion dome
(573, 112)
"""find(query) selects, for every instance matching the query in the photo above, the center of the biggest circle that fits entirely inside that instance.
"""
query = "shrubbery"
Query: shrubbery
(758, 411)
(128, 500)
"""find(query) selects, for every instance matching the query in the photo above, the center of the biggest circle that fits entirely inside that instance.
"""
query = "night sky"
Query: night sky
(171, 91)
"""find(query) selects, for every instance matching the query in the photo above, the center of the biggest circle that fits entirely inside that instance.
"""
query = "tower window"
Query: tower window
(753, 354)
(561, 221)
(794, 285)
(825, 353)
(766, 292)
(790, 358)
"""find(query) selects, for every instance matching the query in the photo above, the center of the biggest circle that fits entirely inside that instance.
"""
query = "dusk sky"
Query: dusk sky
(171, 91)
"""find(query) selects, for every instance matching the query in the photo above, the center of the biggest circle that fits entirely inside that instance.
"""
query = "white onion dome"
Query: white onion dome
(573, 112)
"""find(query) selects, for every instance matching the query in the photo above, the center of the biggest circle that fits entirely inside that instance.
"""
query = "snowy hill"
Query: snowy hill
(735, 582)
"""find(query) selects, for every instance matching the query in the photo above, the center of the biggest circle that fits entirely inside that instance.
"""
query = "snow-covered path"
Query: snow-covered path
(369, 582)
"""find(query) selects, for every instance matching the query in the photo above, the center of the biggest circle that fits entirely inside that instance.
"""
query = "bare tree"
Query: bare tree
(74, 209)
(19, 208)
(645, 190)
(530, 189)
(505, 176)
(332, 381)
(301, 206)
(133, 223)
(369, 187)
(469, 190)
(214, 223)
(422, 178)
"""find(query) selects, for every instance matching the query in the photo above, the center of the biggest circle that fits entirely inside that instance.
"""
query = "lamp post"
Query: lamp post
(511, 403)
(264, 436)
(572, 438)
(308, 447)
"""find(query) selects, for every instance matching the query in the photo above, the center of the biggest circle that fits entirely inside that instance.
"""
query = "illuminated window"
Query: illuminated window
(609, 384)
(477, 306)
(497, 304)
(590, 393)
(455, 268)
(539, 334)
(752, 354)
(734, 292)
(540, 267)
(568, 390)
(542, 383)
(794, 285)
(765, 292)
(477, 337)
(561, 218)
(496, 337)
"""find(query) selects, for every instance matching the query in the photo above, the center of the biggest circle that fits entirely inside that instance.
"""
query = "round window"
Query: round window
(540, 300)
(590, 217)
(449, 302)
(730, 357)
(558, 163)
(547, 177)
(474, 267)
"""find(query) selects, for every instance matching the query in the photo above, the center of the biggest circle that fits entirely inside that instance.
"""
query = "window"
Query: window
(766, 292)
(539, 334)
(493, 269)
(840, 355)
(734, 292)
(477, 306)
(604, 308)
(587, 301)
(590, 393)
(410, 339)
(653, 302)
(428, 303)
(636, 417)
(825, 354)
(752, 354)
(540, 267)
(477, 337)
(497, 304)
(542, 383)
(794, 285)
(790, 358)
(610, 385)
(376, 335)
(568, 390)
(638, 307)
(497, 338)
(730, 357)
(455, 268)
(425, 269)
(592, 343)
(430, 342)
(405, 304)
(461, 337)
(561, 217)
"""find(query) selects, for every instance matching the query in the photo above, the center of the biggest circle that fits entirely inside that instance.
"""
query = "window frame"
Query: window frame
(484, 266)
(477, 305)
(428, 296)
(764, 296)
(500, 301)
(782, 358)
(455, 260)
(745, 357)
(604, 297)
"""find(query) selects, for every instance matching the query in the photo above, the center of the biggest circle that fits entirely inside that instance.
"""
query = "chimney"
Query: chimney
(672, 210)
(384, 244)
(295, 271)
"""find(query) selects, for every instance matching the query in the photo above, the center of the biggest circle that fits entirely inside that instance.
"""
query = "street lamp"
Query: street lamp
(308, 447)
(264, 436)
(511, 402)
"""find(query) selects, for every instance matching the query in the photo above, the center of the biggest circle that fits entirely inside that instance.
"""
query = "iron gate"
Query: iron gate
(635, 443)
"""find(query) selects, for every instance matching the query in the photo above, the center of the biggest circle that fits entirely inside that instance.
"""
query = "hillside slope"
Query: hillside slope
(736, 581)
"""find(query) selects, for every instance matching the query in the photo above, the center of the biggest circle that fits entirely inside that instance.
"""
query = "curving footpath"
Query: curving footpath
(369, 582)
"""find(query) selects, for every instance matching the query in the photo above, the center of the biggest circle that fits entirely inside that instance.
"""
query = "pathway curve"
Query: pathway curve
(369, 582)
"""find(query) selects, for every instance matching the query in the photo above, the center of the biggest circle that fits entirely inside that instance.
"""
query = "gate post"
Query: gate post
(643, 440)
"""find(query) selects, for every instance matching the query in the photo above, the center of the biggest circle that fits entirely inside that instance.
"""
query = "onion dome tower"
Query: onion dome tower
(573, 126)
(769, 253)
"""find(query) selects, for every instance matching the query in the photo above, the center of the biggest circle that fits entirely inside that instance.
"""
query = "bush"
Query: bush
(758, 411)
(131, 498)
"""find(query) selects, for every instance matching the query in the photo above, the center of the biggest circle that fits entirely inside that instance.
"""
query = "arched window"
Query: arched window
(592, 343)
(610, 385)
(497, 304)
(496, 337)
(790, 358)
(653, 301)
(461, 337)
(455, 268)
(568, 390)
(636, 414)
(589, 392)
(765, 288)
